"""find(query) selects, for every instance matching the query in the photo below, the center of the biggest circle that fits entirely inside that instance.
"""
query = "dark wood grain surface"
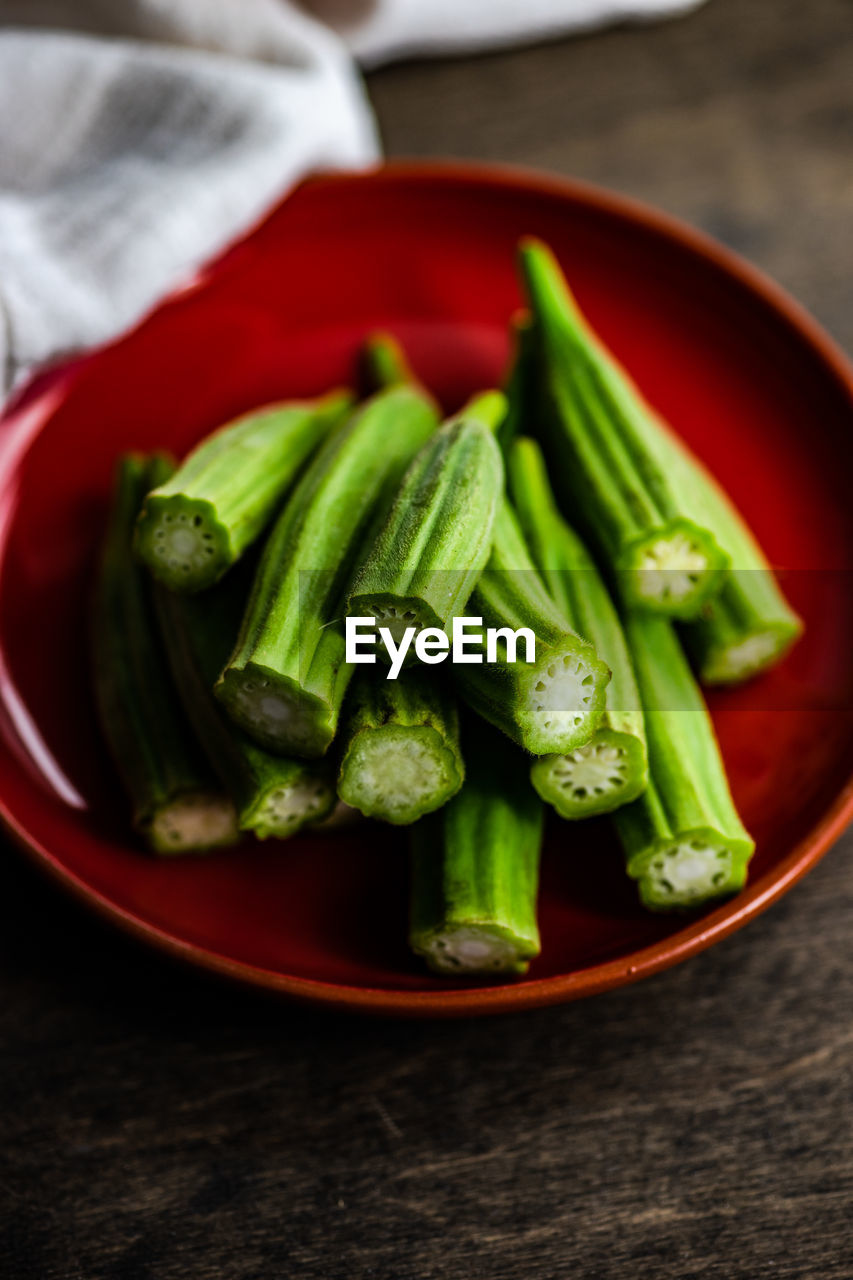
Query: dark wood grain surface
(157, 1125)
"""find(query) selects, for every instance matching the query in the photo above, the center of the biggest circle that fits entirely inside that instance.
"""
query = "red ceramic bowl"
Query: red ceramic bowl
(427, 251)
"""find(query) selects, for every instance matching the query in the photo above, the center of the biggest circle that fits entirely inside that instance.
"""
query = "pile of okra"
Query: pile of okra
(561, 508)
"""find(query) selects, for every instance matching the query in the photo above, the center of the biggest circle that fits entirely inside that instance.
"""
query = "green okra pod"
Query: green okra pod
(475, 867)
(683, 839)
(749, 626)
(177, 802)
(608, 455)
(274, 795)
(553, 703)
(400, 746)
(199, 521)
(423, 565)
(286, 678)
(611, 768)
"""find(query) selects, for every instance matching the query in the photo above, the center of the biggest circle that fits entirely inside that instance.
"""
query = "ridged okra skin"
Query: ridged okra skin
(555, 703)
(177, 804)
(400, 746)
(286, 678)
(611, 769)
(475, 867)
(683, 839)
(199, 521)
(274, 795)
(608, 458)
(749, 626)
(423, 565)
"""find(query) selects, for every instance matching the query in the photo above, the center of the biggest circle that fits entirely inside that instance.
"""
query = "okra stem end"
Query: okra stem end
(397, 773)
(673, 572)
(608, 771)
(749, 655)
(286, 808)
(182, 542)
(195, 821)
(694, 868)
(275, 710)
(396, 614)
(563, 698)
(472, 949)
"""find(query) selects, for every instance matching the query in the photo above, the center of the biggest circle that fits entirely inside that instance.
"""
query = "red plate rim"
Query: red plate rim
(597, 978)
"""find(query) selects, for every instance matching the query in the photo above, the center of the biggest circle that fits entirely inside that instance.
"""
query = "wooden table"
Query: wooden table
(159, 1125)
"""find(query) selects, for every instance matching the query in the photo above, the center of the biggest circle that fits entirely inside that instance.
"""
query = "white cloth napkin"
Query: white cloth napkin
(137, 137)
